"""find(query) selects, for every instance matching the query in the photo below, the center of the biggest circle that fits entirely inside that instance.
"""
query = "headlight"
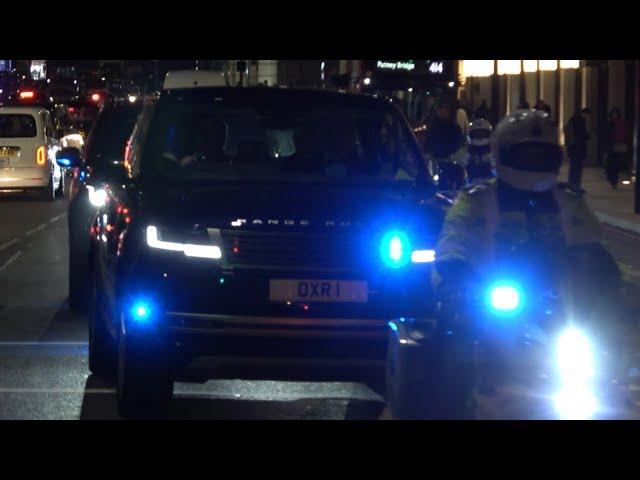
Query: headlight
(576, 371)
(396, 251)
(189, 249)
(97, 197)
(574, 355)
(505, 298)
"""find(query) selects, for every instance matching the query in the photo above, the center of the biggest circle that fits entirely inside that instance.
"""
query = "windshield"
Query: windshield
(109, 136)
(261, 138)
(17, 126)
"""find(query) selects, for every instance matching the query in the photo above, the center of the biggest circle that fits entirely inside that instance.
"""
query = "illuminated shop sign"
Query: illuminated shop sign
(407, 65)
(435, 67)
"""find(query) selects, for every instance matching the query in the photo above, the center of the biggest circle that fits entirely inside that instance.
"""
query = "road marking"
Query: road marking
(8, 244)
(57, 217)
(11, 260)
(36, 229)
(618, 222)
(43, 344)
(59, 390)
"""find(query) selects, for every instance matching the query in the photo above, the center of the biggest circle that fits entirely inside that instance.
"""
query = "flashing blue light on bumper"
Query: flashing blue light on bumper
(395, 249)
(64, 162)
(142, 312)
(505, 298)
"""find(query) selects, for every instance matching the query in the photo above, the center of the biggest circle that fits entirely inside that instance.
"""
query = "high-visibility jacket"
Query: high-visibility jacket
(484, 220)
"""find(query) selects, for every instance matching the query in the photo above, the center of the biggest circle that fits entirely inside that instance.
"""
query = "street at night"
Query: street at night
(319, 239)
(43, 344)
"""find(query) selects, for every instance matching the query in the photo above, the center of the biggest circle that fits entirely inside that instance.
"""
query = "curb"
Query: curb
(618, 223)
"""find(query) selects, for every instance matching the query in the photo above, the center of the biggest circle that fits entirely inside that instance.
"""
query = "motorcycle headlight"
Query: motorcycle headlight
(576, 370)
(575, 359)
(505, 298)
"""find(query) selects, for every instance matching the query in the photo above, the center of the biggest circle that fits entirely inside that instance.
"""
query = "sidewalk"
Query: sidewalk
(613, 207)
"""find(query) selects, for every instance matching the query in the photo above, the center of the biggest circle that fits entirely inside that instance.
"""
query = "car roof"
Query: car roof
(193, 79)
(33, 110)
(286, 94)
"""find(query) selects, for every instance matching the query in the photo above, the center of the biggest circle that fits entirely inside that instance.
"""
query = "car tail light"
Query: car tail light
(40, 156)
(71, 109)
(26, 94)
(95, 97)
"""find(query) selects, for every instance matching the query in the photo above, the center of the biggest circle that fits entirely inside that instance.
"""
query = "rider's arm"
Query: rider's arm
(464, 243)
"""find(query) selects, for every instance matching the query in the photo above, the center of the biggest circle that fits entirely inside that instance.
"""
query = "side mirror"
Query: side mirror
(68, 157)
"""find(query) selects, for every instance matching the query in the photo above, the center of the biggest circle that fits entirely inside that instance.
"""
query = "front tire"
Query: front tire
(145, 386)
(431, 382)
(102, 347)
(80, 292)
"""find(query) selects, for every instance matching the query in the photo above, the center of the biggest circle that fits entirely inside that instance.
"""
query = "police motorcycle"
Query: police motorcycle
(479, 161)
(515, 328)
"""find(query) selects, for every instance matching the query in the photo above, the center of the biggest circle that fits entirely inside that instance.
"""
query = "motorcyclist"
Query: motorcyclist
(444, 139)
(480, 162)
(524, 201)
(526, 206)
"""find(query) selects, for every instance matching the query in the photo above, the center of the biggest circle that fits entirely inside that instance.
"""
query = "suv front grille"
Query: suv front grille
(292, 249)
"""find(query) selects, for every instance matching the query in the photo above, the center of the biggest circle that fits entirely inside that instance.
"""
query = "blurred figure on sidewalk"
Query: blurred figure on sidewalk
(576, 136)
(482, 111)
(617, 146)
(540, 105)
(462, 119)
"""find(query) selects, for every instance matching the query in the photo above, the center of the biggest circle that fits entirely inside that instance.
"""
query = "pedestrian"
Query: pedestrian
(617, 146)
(576, 136)
(482, 111)
(462, 119)
(541, 105)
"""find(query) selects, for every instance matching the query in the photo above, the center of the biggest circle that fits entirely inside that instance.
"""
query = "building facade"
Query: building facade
(564, 85)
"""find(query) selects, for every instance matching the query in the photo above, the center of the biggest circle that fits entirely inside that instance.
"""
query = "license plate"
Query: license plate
(281, 290)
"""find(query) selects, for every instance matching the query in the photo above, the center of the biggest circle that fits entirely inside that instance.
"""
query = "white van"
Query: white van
(27, 152)
(178, 79)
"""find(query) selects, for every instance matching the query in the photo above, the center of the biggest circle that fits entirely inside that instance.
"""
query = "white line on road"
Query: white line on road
(57, 217)
(11, 260)
(42, 344)
(58, 390)
(35, 229)
(9, 243)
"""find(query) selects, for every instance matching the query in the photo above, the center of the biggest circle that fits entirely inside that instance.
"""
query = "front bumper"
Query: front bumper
(282, 348)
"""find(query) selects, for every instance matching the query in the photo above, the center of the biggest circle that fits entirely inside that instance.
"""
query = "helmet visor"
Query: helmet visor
(479, 134)
(533, 157)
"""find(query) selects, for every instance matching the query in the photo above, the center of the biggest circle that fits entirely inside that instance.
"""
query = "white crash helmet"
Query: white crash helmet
(480, 132)
(526, 150)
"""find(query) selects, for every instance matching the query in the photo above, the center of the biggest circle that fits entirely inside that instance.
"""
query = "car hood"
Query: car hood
(290, 207)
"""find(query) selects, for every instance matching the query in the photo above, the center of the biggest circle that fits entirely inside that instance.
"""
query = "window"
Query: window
(281, 139)
(17, 126)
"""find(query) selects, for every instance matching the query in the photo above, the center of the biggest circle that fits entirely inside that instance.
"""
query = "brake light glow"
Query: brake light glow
(95, 97)
(40, 156)
(26, 94)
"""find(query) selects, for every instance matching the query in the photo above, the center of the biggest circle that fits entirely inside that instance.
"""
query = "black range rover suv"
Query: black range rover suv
(263, 234)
